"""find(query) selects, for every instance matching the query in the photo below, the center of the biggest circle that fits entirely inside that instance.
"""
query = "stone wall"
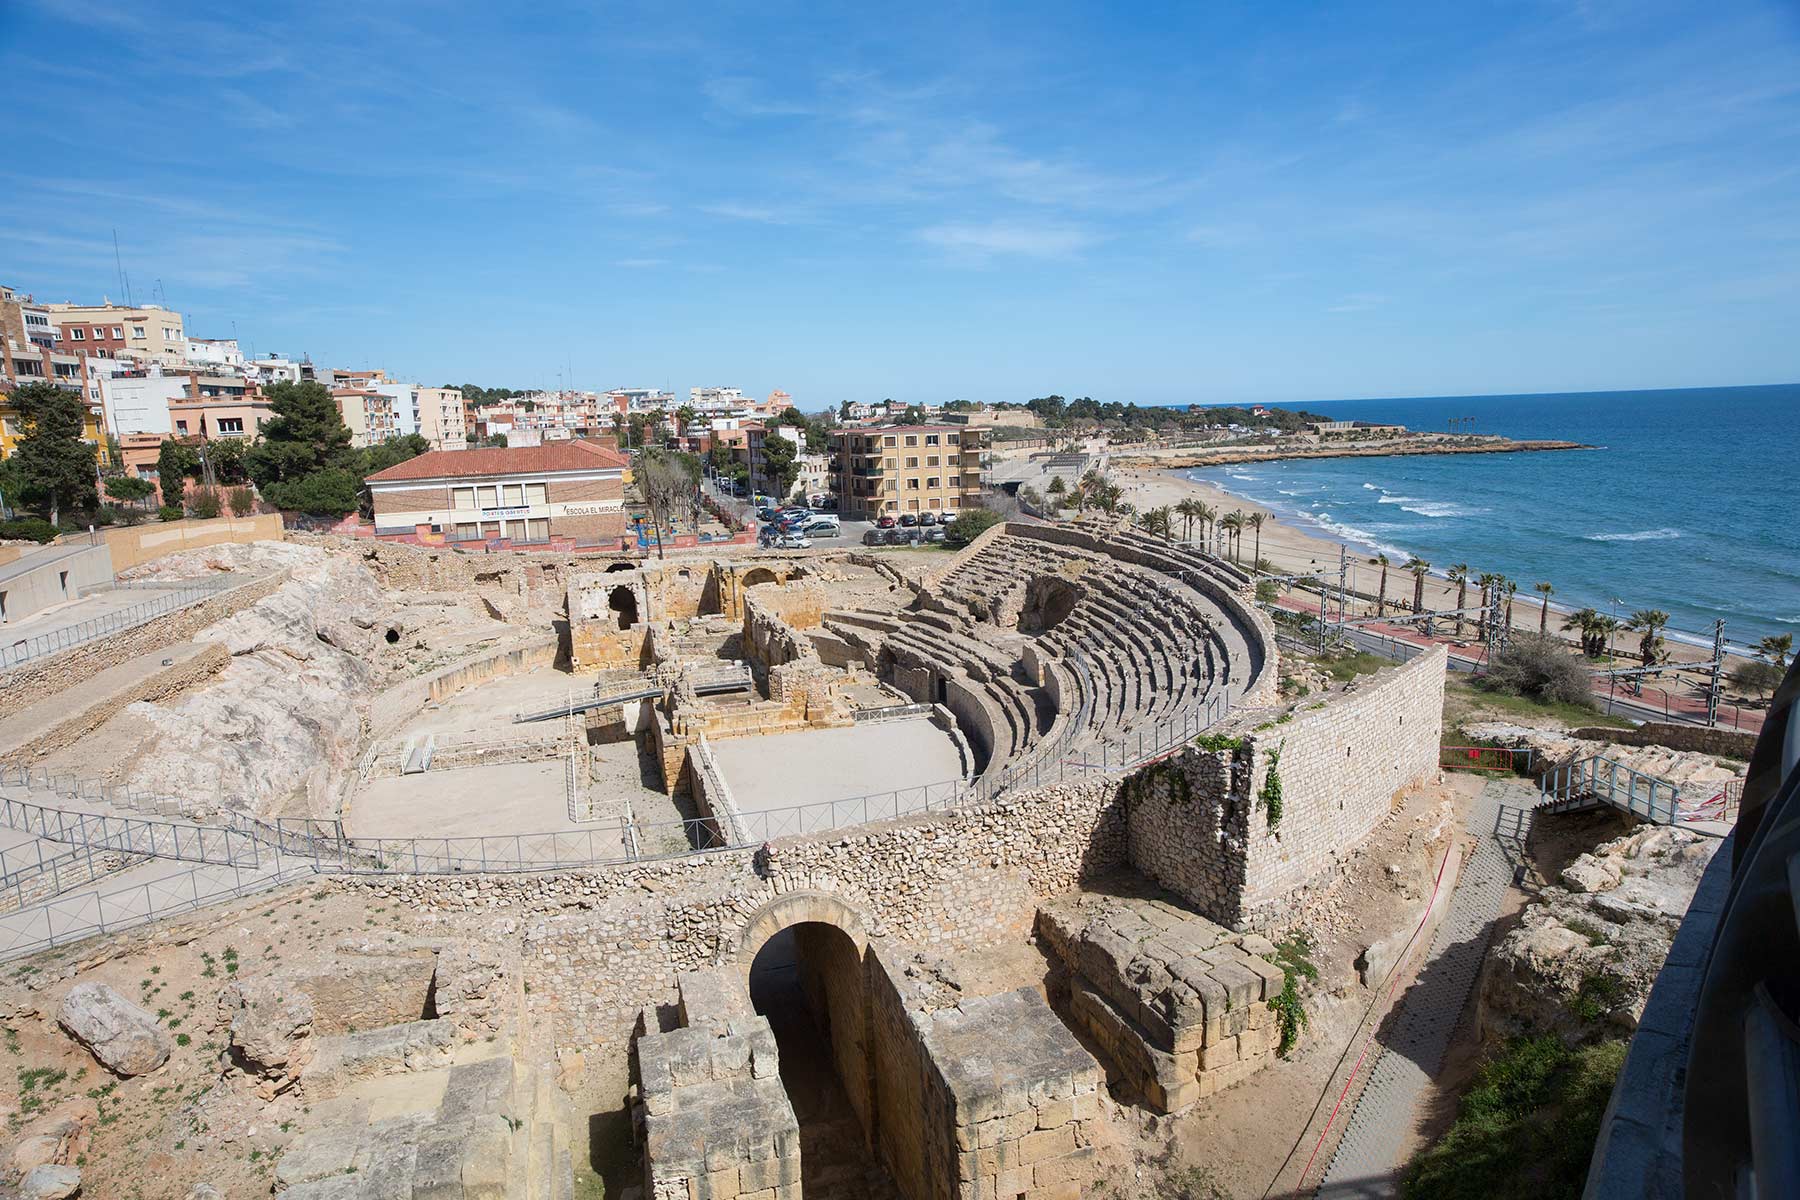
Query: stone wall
(158, 685)
(135, 544)
(1341, 766)
(601, 944)
(1200, 823)
(42, 678)
(1726, 743)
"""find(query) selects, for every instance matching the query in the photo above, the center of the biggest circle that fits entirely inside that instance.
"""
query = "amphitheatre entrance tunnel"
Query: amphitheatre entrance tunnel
(809, 979)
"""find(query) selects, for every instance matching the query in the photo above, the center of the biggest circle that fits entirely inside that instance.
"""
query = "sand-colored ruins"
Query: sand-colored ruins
(831, 873)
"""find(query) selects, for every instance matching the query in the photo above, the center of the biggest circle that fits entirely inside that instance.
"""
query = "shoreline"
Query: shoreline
(1180, 459)
(1291, 548)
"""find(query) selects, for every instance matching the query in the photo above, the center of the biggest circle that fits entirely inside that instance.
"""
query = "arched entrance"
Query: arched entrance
(757, 576)
(623, 602)
(804, 957)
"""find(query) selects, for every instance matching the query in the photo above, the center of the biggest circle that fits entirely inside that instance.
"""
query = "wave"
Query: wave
(1388, 498)
(1371, 487)
(1438, 509)
(1643, 535)
(1351, 533)
(1239, 475)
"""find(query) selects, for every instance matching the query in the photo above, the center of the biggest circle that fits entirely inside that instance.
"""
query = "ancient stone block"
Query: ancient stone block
(125, 1038)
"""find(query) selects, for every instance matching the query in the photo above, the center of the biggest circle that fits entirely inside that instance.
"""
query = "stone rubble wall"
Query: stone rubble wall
(40, 679)
(1698, 739)
(157, 686)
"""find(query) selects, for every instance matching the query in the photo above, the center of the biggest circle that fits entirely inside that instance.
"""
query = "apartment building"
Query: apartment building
(568, 489)
(215, 352)
(757, 437)
(895, 469)
(369, 414)
(440, 417)
(107, 330)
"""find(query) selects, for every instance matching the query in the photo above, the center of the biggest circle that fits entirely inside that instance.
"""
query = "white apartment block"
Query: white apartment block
(215, 352)
(141, 405)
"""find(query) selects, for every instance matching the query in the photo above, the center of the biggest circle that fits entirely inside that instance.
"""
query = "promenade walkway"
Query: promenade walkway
(1369, 1159)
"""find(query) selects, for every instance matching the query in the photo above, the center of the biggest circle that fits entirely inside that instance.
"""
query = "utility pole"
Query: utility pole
(1717, 687)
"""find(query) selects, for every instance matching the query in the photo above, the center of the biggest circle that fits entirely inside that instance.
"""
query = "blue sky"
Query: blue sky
(1159, 203)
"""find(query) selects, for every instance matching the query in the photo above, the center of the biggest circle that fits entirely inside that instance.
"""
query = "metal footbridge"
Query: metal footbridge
(1598, 780)
(731, 679)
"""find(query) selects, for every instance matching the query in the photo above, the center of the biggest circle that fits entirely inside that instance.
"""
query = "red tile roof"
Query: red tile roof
(572, 455)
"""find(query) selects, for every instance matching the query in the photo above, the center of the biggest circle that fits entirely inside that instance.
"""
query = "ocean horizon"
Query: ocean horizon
(1682, 504)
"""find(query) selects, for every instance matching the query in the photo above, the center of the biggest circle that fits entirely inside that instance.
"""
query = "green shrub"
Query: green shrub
(206, 503)
(242, 501)
(1526, 1127)
(1539, 668)
(1271, 789)
(1267, 591)
(171, 512)
(1218, 742)
(969, 525)
(29, 529)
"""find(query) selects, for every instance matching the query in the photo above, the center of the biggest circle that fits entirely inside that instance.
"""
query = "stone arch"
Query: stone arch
(760, 575)
(1048, 602)
(798, 908)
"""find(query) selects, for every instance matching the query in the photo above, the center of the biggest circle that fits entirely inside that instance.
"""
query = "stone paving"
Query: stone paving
(1368, 1159)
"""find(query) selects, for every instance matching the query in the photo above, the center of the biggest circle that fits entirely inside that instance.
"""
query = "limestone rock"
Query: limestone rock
(50, 1183)
(467, 985)
(1590, 874)
(204, 1191)
(125, 1038)
(271, 1026)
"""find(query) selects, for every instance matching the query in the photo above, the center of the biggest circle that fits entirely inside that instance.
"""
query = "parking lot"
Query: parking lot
(856, 533)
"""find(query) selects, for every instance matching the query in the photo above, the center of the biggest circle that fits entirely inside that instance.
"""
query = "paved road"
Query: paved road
(1369, 1159)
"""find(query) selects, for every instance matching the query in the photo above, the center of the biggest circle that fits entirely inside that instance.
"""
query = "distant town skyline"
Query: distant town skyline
(1158, 207)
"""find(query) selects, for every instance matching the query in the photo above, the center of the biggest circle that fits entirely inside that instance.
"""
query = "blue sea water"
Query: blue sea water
(1690, 503)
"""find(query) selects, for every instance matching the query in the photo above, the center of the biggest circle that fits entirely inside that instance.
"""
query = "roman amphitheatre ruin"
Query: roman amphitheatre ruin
(908, 873)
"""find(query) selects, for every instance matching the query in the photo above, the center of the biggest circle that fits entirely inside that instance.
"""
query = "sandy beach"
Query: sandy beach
(1289, 550)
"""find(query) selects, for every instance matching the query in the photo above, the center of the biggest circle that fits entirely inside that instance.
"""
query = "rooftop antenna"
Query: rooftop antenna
(119, 263)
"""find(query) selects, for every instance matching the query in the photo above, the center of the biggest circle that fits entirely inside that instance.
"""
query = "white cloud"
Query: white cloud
(1357, 302)
(1008, 237)
(748, 212)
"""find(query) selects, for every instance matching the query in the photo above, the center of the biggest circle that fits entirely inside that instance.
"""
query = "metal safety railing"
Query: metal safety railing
(1516, 760)
(1598, 779)
(18, 651)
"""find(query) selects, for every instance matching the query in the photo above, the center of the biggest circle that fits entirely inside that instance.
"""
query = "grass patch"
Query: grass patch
(1525, 1129)
(1344, 666)
(1463, 702)
(1595, 935)
(1596, 996)
(1294, 956)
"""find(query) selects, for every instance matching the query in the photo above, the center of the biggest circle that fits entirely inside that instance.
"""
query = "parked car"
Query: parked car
(935, 534)
(765, 514)
(793, 541)
(822, 527)
(909, 520)
(885, 523)
(928, 518)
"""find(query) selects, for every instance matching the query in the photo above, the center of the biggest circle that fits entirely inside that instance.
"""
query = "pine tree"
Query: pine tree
(56, 464)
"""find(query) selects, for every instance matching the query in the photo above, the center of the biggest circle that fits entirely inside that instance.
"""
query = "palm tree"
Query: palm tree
(1190, 510)
(1511, 588)
(1544, 588)
(1776, 649)
(1381, 591)
(1418, 567)
(1232, 523)
(1459, 575)
(1206, 514)
(1157, 521)
(1593, 627)
(1490, 593)
(1256, 523)
(1650, 621)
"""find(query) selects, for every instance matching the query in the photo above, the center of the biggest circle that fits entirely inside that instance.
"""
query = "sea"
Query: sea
(1689, 501)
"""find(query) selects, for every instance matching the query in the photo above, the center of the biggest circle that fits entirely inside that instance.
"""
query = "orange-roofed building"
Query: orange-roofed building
(562, 491)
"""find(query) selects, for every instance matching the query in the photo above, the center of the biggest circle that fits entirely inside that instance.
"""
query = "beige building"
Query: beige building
(369, 414)
(894, 469)
(441, 420)
(147, 331)
(572, 491)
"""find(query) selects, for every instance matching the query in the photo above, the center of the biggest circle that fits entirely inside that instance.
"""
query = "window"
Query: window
(233, 425)
(912, 485)
(537, 494)
(949, 439)
(911, 463)
(137, 331)
(931, 439)
(887, 464)
(490, 496)
(931, 460)
(912, 439)
(181, 427)
(77, 333)
(467, 531)
(538, 529)
(463, 498)
(119, 332)
(513, 495)
(933, 482)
